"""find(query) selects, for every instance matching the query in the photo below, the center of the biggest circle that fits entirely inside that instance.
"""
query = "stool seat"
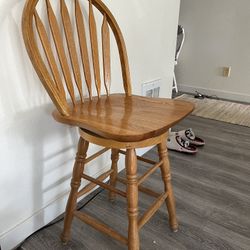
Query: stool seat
(124, 118)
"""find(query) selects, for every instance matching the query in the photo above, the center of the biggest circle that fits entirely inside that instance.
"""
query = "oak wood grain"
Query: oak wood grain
(95, 139)
(60, 50)
(104, 185)
(40, 66)
(166, 178)
(112, 121)
(71, 46)
(83, 46)
(152, 209)
(49, 54)
(94, 48)
(37, 60)
(120, 44)
(113, 176)
(132, 200)
(129, 118)
(75, 184)
(92, 157)
(106, 54)
(100, 226)
(89, 187)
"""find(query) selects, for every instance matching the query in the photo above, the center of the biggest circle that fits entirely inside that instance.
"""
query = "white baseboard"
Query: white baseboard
(20, 232)
(234, 96)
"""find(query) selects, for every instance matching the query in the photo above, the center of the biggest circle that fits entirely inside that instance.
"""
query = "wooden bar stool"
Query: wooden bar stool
(118, 122)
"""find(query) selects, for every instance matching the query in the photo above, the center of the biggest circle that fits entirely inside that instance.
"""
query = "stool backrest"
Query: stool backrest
(58, 47)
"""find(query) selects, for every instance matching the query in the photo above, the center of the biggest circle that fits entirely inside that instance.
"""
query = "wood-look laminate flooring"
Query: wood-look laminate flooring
(212, 191)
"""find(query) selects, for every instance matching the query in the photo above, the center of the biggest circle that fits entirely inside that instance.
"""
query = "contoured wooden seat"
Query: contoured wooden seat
(64, 59)
(125, 118)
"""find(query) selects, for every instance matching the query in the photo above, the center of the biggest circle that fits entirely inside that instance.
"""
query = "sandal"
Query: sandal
(177, 143)
(188, 135)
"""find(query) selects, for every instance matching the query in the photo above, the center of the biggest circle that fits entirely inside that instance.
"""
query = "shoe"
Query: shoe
(188, 135)
(177, 143)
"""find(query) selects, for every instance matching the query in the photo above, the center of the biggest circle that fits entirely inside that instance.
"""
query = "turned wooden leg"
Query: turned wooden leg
(166, 177)
(132, 199)
(113, 176)
(75, 184)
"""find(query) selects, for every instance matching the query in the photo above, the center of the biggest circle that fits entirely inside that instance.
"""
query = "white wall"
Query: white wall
(36, 153)
(217, 35)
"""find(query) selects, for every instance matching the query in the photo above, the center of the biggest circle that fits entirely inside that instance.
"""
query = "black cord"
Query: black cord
(200, 95)
(61, 217)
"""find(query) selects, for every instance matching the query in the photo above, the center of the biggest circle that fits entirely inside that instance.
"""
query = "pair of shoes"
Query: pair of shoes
(184, 141)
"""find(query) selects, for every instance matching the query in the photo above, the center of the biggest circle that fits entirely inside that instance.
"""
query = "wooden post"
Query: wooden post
(132, 199)
(113, 176)
(166, 177)
(75, 184)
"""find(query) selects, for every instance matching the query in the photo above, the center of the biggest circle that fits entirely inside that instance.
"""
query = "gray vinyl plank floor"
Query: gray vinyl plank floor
(212, 190)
